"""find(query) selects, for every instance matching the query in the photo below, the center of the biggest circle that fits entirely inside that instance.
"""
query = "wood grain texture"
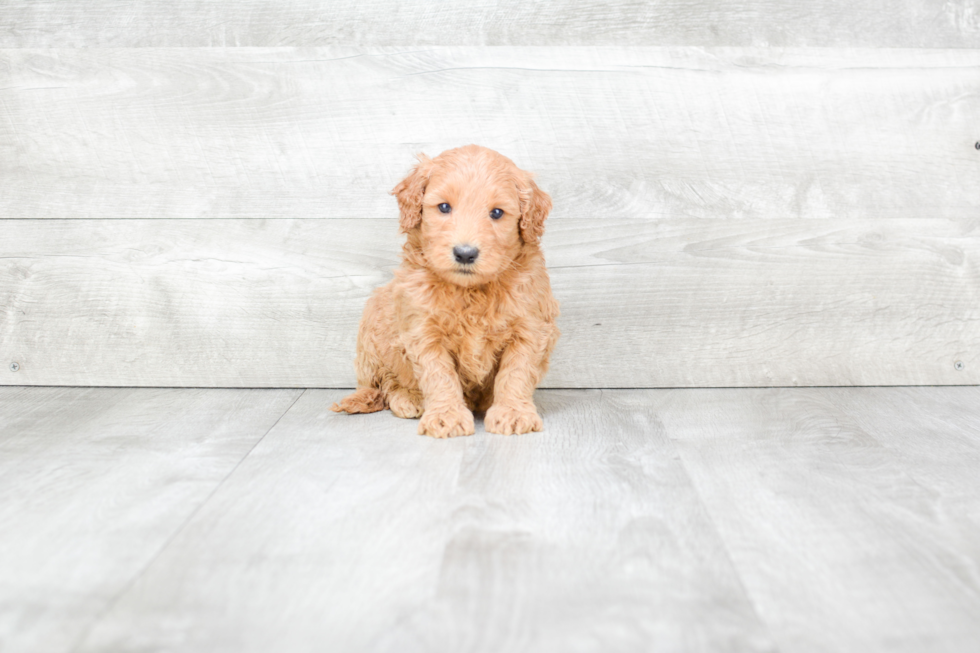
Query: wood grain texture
(94, 482)
(613, 132)
(796, 520)
(845, 536)
(781, 23)
(937, 435)
(730, 216)
(362, 536)
(336, 529)
(666, 303)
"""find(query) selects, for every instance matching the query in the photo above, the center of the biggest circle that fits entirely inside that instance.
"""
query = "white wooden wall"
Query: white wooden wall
(745, 194)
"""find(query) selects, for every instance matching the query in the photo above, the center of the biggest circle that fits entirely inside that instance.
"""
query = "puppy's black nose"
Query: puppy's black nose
(465, 254)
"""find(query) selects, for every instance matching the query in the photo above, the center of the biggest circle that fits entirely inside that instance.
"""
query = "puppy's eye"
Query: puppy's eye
(496, 214)
(445, 208)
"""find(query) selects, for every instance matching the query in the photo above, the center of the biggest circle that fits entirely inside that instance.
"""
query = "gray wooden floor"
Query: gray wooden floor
(813, 519)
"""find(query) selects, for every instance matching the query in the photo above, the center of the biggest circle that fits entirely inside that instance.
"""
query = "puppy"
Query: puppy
(468, 322)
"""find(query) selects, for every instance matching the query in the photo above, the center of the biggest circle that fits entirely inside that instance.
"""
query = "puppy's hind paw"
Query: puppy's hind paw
(405, 404)
(363, 400)
(510, 420)
(447, 422)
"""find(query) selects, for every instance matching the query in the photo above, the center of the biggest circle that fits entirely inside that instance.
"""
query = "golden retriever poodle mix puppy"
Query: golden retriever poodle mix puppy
(468, 322)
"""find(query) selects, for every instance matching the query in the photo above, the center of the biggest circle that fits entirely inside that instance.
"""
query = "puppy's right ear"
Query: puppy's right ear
(409, 192)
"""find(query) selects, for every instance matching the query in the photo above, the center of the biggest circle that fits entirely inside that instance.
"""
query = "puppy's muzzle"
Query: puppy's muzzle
(465, 254)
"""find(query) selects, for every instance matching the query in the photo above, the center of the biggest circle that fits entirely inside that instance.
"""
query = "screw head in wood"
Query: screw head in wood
(14, 367)
(958, 366)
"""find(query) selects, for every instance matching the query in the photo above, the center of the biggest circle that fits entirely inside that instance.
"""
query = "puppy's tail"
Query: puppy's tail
(363, 400)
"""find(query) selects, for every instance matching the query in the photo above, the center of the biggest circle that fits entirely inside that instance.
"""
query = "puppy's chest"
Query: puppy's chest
(476, 340)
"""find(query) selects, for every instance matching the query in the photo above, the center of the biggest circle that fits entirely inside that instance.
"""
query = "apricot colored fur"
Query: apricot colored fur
(444, 339)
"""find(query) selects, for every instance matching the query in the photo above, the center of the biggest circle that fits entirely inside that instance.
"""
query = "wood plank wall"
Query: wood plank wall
(195, 194)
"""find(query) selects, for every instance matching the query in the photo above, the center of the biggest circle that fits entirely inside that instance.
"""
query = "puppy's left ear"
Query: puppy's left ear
(410, 191)
(535, 207)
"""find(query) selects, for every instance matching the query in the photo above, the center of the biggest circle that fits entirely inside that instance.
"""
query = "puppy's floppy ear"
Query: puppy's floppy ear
(409, 192)
(535, 206)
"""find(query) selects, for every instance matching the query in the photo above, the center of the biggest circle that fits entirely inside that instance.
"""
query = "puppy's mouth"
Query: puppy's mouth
(464, 276)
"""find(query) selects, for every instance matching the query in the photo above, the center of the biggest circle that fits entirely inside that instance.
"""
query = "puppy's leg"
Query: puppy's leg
(445, 414)
(363, 400)
(513, 411)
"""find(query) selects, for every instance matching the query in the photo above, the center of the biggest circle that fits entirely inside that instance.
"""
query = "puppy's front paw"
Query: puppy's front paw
(446, 422)
(511, 420)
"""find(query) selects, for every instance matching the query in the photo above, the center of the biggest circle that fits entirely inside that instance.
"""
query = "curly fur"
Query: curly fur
(443, 339)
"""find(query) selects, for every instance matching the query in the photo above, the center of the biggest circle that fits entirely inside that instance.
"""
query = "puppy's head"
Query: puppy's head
(473, 212)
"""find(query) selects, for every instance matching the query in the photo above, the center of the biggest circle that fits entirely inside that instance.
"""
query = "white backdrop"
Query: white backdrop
(197, 193)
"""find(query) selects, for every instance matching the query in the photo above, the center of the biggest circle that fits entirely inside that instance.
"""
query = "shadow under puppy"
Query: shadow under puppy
(468, 322)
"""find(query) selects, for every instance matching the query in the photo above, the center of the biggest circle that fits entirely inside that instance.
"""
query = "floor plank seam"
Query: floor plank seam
(173, 536)
(777, 647)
